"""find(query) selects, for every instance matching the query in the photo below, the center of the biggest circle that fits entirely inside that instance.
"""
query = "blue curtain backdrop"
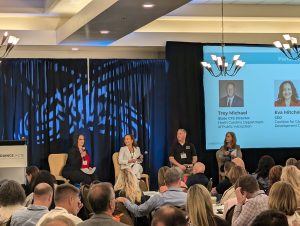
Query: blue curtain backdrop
(48, 100)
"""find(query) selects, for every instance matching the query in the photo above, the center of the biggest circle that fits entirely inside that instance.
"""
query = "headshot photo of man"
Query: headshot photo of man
(231, 93)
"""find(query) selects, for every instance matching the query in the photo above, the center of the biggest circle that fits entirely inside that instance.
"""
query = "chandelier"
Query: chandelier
(290, 49)
(7, 44)
(223, 68)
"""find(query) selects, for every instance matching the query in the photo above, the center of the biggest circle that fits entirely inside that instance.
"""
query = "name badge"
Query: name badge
(183, 156)
(84, 162)
(188, 147)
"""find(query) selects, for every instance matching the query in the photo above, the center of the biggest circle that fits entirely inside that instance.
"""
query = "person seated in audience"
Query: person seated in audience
(12, 197)
(274, 175)
(173, 196)
(298, 164)
(169, 216)
(261, 174)
(161, 180)
(42, 196)
(183, 154)
(43, 176)
(224, 184)
(245, 212)
(199, 207)
(234, 174)
(101, 197)
(67, 203)
(31, 173)
(291, 162)
(72, 169)
(238, 162)
(58, 221)
(229, 150)
(270, 218)
(130, 156)
(282, 197)
(198, 176)
(291, 174)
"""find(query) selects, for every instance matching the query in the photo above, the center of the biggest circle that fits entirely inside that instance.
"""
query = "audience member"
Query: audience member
(42, 196)
(245, 212)
(291, 174)
(67, 203)
(261, 174)
(282, 197)
(225, 184)
(239, 162)
(270, 218)
(183, 154)
(127, 186)
(274, 175)
(169, 216)
(173, 196)
(234, 174)
(198, 176)
(12, 197)
(199, 207)
(298, 164)
(161, 180)
(58, 221)
(291, 162)
(102, 199)
(31, 173)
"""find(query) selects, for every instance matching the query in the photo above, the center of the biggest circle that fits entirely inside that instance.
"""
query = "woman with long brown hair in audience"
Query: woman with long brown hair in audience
(199, 208)
(282, 197)
(31, 173)
(291, 174)
(274, 175)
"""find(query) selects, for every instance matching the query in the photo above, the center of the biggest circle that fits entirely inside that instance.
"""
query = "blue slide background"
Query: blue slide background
(262, 124)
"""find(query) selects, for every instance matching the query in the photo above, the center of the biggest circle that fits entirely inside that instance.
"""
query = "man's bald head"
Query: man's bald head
(199, 167)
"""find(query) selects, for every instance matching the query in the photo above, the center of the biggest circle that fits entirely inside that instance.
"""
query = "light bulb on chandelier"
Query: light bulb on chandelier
(290, 49)
(8, 42)
(223, 68)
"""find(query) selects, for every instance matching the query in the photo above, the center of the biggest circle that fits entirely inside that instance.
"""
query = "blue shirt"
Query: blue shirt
(173, 197)
(29, 216)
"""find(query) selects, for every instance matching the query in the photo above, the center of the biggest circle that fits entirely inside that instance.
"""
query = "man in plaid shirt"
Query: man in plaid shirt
(250, 201)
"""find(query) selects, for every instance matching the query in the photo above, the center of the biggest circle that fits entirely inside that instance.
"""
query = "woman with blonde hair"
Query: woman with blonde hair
(127, 186)
(291, 174)
(282, 197)
(199, 208)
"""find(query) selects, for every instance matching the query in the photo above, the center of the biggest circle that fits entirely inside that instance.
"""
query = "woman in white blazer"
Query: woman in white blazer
(130, 156)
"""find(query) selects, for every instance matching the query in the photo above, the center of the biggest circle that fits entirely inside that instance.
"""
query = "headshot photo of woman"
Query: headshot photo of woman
(287, 95)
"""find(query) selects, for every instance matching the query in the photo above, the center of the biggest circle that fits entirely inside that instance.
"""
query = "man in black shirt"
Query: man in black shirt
(183, 154)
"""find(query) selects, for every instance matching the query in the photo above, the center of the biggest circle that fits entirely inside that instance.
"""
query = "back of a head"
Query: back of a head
(199, 167)
(169, 216)
(43, 176)
(270, 218)
(99, 197)
(235, 173)
(291, 162)
(11, 193)
(32, 170)
(172, 176)
(199, 206)
(275, 174)
(42, 191)
(247, 183)
(291, 174)
(161, 175)
(228, 165)
(63, 192)
(265, 163)
(58, 221)
(282, 197)
(239, 162)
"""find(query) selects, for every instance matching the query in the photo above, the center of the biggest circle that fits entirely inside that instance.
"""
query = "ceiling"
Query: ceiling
(77, 23)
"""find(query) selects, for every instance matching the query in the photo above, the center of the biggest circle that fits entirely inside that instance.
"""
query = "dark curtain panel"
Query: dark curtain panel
(47, 101)
(186, 97)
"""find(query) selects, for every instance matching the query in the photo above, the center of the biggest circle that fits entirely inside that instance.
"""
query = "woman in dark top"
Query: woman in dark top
(72, 169)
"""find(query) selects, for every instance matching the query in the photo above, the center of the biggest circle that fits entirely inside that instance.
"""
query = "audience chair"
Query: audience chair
(220, 163)
(115, 158)
(229, 215)
(56, 165)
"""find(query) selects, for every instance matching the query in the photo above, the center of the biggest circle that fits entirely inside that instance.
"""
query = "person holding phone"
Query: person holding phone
(130, 156)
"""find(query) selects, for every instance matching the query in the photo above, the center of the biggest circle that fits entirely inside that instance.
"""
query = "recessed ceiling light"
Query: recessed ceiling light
(104, 32)
(148, 5)
(75, 49)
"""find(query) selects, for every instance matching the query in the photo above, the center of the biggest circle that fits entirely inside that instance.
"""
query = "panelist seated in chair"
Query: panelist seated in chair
(72, 169)
(183, 154)
(130, 156)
